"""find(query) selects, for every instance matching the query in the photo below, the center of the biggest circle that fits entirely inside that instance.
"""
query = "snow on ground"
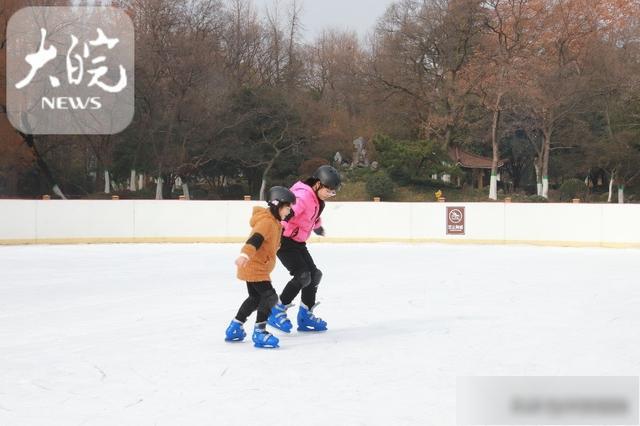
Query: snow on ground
(133, 334)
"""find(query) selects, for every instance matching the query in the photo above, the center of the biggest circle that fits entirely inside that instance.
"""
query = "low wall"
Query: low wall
(85, 221)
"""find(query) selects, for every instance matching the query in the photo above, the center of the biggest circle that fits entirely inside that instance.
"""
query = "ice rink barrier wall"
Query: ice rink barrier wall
(144, 221)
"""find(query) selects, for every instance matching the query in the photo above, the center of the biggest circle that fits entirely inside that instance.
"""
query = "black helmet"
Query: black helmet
(328, 176)
(279, 195)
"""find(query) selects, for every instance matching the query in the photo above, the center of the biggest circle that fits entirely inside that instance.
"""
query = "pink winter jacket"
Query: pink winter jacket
(306, 214)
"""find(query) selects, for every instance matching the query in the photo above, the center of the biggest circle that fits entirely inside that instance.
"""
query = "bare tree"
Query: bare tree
(420, 52)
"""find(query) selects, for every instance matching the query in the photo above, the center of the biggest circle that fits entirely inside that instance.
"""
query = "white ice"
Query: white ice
(133, 334)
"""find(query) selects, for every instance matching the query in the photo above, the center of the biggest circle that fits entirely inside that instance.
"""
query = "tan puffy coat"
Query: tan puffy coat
(262, 261)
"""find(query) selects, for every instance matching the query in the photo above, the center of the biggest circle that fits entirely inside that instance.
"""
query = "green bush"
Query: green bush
(352, 191)
(358, 174)
(573, 188)
(234, 191)
(409, 159)
(379, 184)
(599, 197)
(537, 199)
(197, 193)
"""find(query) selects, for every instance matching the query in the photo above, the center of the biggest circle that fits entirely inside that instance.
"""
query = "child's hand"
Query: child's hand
(241, 261)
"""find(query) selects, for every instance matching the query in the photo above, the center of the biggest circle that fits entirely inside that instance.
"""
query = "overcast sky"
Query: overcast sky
(358, 15)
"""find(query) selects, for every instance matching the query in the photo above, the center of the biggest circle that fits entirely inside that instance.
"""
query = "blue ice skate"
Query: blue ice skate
(309, 322)
(235, 332)
(262, 338)
(278, 318)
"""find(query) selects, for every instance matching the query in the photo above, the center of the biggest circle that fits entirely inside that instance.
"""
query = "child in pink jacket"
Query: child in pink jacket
(310, 197)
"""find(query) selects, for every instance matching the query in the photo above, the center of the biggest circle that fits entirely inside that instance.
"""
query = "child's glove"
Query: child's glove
(319, 231)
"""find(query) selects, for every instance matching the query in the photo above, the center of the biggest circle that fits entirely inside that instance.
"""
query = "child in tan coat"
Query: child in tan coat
(256, 262)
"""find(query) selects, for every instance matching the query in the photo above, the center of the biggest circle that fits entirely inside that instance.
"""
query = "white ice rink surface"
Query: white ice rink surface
(133, 334)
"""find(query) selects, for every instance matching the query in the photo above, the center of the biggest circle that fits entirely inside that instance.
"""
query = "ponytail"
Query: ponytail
(311, 181)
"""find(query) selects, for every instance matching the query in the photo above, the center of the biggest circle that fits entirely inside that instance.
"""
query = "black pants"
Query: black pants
(306, 276)
(262, 297)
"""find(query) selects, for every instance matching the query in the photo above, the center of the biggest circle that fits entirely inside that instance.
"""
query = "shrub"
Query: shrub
(235, 191)
(379, 184)
(358, 174)
(573, 188)
(537, 199)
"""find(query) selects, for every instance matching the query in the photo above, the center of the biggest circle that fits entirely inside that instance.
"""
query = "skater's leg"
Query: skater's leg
(309, 292)
(300, 280)
(307, 321)
(292, 256)
(296, 258)
(235, 331)
(249, 305)
(268, 299)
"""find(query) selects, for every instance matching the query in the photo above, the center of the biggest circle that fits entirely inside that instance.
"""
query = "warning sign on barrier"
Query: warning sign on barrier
(455, 220)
